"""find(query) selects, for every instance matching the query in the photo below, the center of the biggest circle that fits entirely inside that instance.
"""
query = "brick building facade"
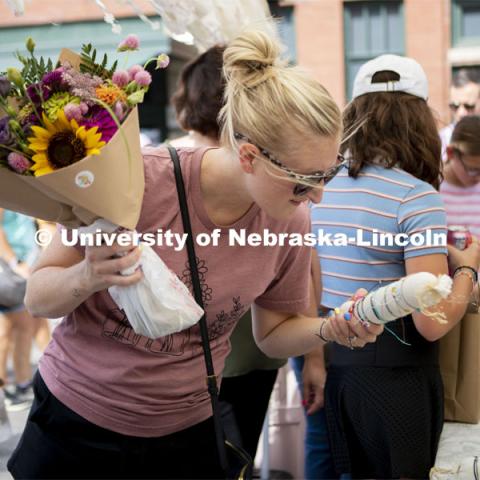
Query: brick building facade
(335, 36)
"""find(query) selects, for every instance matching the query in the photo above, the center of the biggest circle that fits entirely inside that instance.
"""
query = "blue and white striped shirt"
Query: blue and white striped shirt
(379, 201)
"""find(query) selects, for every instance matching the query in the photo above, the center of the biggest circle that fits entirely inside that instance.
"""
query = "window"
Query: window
(465, 22)
(284, 14)
(371, 29)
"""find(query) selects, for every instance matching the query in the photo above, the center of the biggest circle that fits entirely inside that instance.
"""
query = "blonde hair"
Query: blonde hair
(269, 101)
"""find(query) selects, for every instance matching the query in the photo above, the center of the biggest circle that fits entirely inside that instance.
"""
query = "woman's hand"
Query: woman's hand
(102, 266)
(314, 376)
(469, 257)
(351, 333)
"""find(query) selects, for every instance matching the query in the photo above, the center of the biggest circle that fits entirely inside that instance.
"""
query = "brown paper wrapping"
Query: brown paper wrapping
(109, 185)
(460, 367)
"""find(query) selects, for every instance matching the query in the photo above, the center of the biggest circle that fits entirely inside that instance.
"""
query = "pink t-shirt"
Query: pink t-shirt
(98, 367)
(462, 205)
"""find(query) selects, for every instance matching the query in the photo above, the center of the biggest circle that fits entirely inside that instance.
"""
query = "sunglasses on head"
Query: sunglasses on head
(313, 179)
(454, 106)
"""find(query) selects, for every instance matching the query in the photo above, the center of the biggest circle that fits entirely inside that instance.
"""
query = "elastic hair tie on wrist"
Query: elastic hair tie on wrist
(320, 332)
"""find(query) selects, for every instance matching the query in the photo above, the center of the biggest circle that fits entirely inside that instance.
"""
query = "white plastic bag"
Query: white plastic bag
(160, 304)
(157, 305)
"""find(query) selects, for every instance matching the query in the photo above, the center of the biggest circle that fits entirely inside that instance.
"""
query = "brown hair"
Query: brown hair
(466, 135)
(392, 129)
(199, 95)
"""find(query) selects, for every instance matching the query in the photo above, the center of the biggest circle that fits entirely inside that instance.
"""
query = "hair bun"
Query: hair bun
(251, 59)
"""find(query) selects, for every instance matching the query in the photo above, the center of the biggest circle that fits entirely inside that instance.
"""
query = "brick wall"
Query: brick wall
(59, 11)
(320, 47)
(319, 26)
(427, 35)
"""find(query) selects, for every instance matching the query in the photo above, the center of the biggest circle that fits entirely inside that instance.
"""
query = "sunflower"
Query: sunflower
(61, 144)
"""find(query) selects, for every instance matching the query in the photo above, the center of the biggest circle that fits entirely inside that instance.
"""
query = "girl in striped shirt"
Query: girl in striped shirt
(384, 403)
(461, 186)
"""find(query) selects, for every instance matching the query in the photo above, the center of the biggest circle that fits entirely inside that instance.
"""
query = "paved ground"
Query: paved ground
(17, 421)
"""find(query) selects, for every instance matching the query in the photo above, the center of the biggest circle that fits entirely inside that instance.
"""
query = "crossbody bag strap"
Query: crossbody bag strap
(197, 290)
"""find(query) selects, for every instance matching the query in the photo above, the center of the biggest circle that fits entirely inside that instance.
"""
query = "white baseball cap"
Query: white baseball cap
(412, 77)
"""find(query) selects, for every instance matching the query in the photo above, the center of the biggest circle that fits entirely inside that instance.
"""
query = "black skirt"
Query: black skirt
(384, 420)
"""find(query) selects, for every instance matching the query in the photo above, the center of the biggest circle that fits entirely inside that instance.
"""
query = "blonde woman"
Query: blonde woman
(114, 404)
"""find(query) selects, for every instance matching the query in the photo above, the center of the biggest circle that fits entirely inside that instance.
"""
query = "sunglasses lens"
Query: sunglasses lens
(301, 189)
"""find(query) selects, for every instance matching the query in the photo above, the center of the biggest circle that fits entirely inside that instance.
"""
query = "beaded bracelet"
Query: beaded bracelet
(468, 273)
(471, 269)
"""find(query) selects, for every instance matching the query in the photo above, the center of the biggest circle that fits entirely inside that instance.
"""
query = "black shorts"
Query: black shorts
(59, 443)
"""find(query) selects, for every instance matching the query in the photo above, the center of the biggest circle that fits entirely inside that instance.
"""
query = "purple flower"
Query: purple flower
(32, 119)
(18, 162)
(132, 42)
(133, 70)
(34, 91)
(121, 78)
(54, 80)
(6, 136)
(102, 119)
(143, 78)
(5, 86)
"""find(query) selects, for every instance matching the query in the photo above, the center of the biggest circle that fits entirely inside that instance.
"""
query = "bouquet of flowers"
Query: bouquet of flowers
(69, 134)
(70, 153)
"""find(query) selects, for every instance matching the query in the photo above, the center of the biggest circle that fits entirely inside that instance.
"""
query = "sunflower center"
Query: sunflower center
(64, 148)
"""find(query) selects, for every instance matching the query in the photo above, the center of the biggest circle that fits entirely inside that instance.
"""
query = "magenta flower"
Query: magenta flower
(54, 80)
(102, 119)
(18, 162)
(121, 78)
(143, 78)
(132, 42)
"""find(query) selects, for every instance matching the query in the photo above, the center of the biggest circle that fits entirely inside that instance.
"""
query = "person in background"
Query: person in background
(310, 372)
(43, 334)
(460, 188)
(464, 101)
(384, 403)
(18, 248)
(249, 375)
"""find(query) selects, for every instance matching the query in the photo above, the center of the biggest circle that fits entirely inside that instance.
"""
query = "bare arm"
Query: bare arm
(282, 334)
(317, 278)
(63, 279)
(314, 373)
(455, 306)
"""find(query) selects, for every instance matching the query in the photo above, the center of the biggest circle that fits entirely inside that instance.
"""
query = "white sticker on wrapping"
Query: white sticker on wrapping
(84, 179)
